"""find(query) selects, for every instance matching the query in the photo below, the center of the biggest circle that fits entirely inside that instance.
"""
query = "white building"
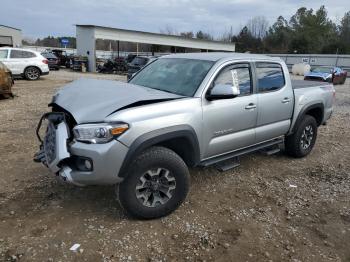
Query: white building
(87, 35)
(10, 36)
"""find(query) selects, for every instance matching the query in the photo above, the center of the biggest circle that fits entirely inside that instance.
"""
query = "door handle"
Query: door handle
(250, 106)
(286, 100)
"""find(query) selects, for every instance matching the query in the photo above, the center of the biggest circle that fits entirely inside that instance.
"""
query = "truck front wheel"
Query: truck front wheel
(156, 184)
(303, 140)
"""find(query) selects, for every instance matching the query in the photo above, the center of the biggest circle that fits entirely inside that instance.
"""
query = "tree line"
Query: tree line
(307, 31)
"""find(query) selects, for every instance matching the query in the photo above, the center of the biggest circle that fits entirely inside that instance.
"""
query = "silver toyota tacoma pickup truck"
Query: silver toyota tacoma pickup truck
(179, 111)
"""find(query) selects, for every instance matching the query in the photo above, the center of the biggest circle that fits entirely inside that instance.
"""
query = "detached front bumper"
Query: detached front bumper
(66, 158)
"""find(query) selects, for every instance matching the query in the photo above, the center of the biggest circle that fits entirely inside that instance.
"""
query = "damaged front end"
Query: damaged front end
(53, 150)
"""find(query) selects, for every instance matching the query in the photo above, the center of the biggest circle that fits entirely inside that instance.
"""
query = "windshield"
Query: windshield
(175, 75)
(322, 70)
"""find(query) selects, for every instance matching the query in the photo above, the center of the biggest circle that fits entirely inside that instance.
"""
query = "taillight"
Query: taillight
(45, 61)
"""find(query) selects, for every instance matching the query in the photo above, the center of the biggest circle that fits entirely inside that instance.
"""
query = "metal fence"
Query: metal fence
(342, 61)
(99, 53)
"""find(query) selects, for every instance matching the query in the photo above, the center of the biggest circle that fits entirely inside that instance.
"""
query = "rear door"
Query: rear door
(16, 61)
(275, 100)
(229, 124)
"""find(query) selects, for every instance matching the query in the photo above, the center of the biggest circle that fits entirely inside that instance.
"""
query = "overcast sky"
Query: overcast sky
(39, 18)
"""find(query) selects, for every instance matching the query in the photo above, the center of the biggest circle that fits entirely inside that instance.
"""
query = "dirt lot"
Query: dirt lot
(248, 214)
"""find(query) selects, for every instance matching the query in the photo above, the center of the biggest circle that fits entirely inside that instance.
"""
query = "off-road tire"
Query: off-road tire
(293, 143)
(151, 159)
(32, 73)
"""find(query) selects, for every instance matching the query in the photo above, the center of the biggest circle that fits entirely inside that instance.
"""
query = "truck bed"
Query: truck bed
(296, 84)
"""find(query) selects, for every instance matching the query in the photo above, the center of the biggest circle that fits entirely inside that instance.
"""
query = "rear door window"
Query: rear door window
(270, 77)
(27, 54)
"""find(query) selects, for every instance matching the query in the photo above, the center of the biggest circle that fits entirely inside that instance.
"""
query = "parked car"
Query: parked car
(137, 63)
(62, 57)
(24, 63)
(129, 58)
(6, 81)
(52, 59)
(329, 74)
(180, 111)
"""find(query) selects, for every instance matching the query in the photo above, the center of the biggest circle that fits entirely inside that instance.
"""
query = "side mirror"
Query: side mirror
(222, 91)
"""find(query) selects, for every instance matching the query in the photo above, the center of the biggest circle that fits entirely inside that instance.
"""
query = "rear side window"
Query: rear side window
(270, 77)
(3, 53)
(21, 54)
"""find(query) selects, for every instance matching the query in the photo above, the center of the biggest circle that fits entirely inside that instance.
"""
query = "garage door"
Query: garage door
(5, 40)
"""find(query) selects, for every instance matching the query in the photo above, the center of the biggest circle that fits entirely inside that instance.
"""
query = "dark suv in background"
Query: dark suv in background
(54, 62)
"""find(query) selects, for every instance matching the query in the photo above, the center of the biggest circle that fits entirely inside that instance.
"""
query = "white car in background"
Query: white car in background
(24, 63)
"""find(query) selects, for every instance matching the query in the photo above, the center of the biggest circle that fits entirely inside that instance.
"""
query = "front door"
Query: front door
(228, 124)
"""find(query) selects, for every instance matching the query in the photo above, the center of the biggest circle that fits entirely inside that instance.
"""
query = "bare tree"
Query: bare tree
(227, 35)
(258, 26)
(168, 30)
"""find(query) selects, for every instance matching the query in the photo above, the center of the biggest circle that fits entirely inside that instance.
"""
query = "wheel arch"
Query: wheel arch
(182, 139)
(32, 66)
(314, 110)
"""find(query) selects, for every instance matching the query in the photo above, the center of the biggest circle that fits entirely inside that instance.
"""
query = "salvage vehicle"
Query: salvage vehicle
(329, 74)
(54, 62)
(137, 63)
(62, 57)
(24, 63)
(6, 81)
(118, 65)
(180, 111)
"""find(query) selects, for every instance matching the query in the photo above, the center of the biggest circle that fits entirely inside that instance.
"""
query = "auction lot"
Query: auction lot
(271, 208)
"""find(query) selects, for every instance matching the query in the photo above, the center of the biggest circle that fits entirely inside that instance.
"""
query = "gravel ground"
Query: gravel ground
(271, 208)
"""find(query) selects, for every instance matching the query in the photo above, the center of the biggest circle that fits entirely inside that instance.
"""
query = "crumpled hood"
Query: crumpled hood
(319, 74)
(91, 100)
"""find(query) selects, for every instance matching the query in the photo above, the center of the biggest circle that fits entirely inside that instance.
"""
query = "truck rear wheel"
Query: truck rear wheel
(157, 183)
(303, 140)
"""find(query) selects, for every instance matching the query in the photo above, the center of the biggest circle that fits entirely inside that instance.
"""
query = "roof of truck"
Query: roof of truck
(216, 56)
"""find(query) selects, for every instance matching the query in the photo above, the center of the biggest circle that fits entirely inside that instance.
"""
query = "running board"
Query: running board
(228, 164)
(271, 151)
(241, 152)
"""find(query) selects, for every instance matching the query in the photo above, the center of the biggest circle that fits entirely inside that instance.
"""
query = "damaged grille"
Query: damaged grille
(50, 143)
(69, 119)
